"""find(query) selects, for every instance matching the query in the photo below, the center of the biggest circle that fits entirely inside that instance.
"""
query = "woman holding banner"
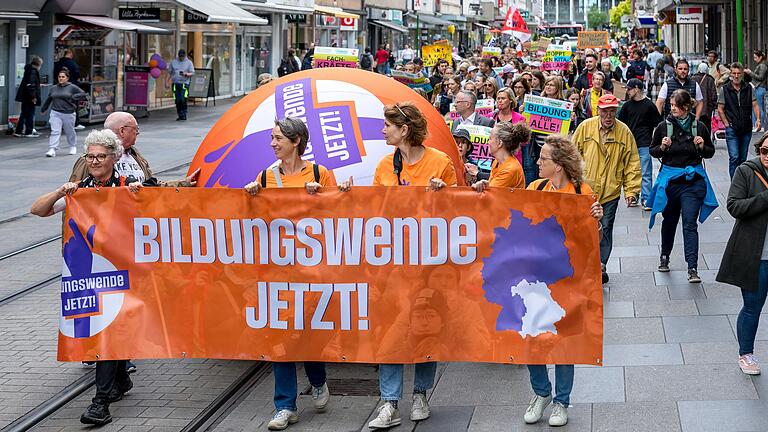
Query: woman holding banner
(553, 87)
(506, 171)
(289, 141)
(411, 164)
(562, 170)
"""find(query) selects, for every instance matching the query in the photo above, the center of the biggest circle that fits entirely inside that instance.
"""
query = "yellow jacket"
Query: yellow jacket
(612, 166)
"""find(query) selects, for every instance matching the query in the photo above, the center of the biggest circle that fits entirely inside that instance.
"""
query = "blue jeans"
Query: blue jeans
(683, 199)
(749, 317)
(646, 163)
(606, 242)
(760, 96)
(391, 379)
(286, 390)
(738, 147)
(563, 382)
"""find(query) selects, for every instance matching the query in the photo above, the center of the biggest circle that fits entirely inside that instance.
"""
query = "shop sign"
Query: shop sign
(140, 14)
(348, 24)
(194, 18)
(689, 15)
(326, 21)
(296, 18)
(136, 85)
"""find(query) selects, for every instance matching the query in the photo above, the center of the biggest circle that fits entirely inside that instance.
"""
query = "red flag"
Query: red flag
(515, 25)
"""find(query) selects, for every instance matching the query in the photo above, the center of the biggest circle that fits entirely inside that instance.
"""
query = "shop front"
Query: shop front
(385, 26)
(338, 23)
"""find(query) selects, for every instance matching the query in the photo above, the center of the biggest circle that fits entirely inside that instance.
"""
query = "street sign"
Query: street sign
(627, 22)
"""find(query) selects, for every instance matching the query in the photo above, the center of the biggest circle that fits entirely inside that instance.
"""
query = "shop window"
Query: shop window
(216, 56)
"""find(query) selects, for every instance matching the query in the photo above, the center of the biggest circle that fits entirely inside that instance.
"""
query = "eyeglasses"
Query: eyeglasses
(101, 157)
(545, 158)
(519, 87)
(132, 126)
(763, 151)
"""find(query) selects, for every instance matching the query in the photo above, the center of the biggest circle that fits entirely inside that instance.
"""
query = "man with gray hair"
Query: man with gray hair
(132, 164)
(465, 105)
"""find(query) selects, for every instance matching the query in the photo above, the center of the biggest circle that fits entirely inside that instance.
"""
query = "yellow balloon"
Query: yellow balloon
(451, 29)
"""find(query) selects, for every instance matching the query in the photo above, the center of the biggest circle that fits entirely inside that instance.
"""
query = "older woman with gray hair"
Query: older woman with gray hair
(290, 137)
(103, 149)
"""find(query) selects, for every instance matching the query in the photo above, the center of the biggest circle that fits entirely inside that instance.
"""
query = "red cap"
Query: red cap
(607, 101)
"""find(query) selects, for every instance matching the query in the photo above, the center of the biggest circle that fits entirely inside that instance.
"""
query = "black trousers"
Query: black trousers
(26, 119)
(180, 94)
(109, 374)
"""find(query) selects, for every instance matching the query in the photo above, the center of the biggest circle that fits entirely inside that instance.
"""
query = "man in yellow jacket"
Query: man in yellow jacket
(611, 163)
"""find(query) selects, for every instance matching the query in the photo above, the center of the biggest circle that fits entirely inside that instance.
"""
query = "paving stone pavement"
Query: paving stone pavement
(669, 358)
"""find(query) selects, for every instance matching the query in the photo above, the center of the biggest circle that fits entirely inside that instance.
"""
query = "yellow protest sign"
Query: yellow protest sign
(430, 54)
(593, 39)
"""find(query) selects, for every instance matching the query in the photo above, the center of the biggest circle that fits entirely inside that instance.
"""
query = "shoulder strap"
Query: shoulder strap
(397, 164)
(578, 189)
(695, 128)
(762, 180)
(264, 178)
(316, 172)
(542, 185)
(669, 128)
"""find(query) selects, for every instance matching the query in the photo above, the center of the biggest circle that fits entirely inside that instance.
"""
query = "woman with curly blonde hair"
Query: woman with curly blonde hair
(562, 170)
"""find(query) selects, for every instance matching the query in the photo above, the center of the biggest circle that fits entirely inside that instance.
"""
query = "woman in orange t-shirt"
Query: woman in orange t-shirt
(289, 141)
(506, 170)
(562, 170)
(411, 164)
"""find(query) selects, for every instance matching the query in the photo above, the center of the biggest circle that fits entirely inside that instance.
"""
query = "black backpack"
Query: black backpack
(365, 62)
(285, 68)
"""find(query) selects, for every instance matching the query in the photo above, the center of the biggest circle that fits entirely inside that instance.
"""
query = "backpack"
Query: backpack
(544, 184)
(366, 62)
(694, 128)
(315, 173)
(285, 68)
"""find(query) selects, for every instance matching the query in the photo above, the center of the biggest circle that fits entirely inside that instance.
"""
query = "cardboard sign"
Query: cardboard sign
(335, 57)
(412, 80)
(489, 52)
(374, 275)
(593, 39)
(547, 116)
(557, 57)
(481, 154)
(619, 90)
(432, 53)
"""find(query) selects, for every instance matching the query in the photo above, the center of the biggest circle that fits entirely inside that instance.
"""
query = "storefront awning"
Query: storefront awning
(481, 26)
(390, 25)
(429, 19)
(10, 7)
(18, 15)
(111, 23)
(271, 7)
(222, 11)
(455, 18)
(334, 11)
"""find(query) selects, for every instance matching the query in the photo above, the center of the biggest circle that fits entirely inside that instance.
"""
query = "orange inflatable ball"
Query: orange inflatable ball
(153, 63)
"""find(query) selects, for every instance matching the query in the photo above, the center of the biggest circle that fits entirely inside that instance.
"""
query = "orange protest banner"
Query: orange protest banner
(593, 39)
(380, 275)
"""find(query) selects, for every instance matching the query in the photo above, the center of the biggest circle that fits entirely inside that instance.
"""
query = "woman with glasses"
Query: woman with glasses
(490, 88)
(103, 150)
(289, 141)
(562, 170)
(745, 261)
(521, 88)
(451, 87)
(553, 88)
(411, 164)
(593, 94)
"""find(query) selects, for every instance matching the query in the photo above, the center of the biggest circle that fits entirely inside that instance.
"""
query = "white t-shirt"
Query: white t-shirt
(128, 167)
(663, 93)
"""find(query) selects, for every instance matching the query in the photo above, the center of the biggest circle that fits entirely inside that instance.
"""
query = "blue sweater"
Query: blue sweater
(658, 198)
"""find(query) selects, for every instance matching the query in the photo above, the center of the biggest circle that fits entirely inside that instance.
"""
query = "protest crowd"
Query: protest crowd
(541, 116)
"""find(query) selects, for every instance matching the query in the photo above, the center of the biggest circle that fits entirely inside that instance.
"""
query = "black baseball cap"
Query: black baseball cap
(460, 132)
(182, 53)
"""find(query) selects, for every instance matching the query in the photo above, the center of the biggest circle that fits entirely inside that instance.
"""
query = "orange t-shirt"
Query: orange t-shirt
(570, 188)
(306, 175)
(434, 164)
(507, 174)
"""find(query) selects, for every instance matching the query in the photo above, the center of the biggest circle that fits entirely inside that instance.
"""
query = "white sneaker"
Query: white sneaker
(73, 150)
(419, 407)
(282, 419)
(50, 153)
(320, 397)
(34, 134)
(79, 127)
(559, 416)
(536, 408)
(388, 416)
